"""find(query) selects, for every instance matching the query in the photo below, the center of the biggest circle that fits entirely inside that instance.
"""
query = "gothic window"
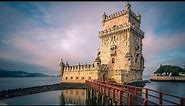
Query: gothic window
(113, 50)
(128, 59)
(113, 60)
(66, 78)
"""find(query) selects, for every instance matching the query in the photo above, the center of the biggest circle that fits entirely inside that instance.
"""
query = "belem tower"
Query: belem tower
(119, 57)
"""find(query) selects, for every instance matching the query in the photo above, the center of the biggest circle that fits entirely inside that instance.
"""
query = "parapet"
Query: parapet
(114, 15)
(114, 29)
(120, 13)
(79, 67)
(120, 28)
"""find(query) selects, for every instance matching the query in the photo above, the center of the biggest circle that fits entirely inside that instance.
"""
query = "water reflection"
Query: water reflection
(73, 96)
(82, 97)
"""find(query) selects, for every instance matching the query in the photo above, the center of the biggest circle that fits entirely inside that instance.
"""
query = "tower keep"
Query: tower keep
(121, 45)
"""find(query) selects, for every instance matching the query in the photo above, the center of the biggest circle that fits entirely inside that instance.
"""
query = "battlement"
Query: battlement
(84, 67)
(120, 28)
(79, 67)
(120, 13)
(114, 15)
(137, 17)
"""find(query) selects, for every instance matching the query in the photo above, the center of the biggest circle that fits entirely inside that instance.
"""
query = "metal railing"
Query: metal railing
(130, 93)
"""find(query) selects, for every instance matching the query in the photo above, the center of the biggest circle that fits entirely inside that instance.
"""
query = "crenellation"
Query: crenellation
(79, 67)
(116, 14)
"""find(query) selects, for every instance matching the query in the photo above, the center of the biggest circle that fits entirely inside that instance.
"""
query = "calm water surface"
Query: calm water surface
(75, 96)
(24, 82)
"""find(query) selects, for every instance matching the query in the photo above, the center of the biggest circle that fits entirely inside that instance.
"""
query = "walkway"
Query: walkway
(131, 95)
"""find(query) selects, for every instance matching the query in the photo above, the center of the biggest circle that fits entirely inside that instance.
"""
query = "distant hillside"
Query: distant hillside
(4, 73)
(153, 67)
(167, 69)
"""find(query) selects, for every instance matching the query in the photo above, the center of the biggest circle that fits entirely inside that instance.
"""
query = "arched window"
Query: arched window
(76, 77)
(113, 60)
(71, 77)
(66, 78)
(114, 26)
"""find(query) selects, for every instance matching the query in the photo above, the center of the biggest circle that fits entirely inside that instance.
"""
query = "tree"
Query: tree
(175, 70)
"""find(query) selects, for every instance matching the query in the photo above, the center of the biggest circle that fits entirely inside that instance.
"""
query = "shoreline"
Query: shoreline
(5, 94)
(157, 80)
(168, 78)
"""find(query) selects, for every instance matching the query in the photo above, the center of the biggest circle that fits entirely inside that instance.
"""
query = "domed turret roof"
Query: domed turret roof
(97, 59)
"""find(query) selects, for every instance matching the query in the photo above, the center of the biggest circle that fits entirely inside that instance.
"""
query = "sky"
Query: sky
(34, 36)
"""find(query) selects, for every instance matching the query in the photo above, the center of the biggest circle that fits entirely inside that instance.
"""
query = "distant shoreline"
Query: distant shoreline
(28, 76)
(167, 80)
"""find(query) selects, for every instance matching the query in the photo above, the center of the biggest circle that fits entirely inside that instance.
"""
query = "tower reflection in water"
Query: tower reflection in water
(82, 97)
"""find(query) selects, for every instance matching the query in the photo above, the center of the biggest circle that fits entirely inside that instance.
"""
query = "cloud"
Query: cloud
(154, 46)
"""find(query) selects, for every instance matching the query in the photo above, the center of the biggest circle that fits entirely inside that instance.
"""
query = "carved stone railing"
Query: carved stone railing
(114, 29)
(134, 15)
(119, 28)
(137, 30)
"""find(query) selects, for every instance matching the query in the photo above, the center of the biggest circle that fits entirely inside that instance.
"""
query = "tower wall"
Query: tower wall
(121, 46)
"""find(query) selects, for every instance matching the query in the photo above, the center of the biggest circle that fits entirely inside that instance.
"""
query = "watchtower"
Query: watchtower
(121, 45)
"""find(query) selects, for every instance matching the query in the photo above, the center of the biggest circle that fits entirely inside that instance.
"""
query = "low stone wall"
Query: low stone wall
(167, 78)
(38, 89)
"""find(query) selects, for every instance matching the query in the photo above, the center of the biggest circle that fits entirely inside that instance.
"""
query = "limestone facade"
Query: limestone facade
(120, 57)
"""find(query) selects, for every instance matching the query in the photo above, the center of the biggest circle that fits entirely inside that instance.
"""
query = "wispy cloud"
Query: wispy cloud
(154, 45)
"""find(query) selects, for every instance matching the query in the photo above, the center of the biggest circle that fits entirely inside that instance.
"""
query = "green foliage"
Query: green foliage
(175, 70)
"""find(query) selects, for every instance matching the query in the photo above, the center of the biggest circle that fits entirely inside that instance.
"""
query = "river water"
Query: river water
(75, 96)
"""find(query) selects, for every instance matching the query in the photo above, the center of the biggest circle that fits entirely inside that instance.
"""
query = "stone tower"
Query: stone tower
(121, 45)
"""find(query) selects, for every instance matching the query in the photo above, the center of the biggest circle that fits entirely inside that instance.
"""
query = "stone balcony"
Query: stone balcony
(120, 28)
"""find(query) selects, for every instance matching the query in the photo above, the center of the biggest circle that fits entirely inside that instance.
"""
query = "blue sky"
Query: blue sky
(35, 35)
